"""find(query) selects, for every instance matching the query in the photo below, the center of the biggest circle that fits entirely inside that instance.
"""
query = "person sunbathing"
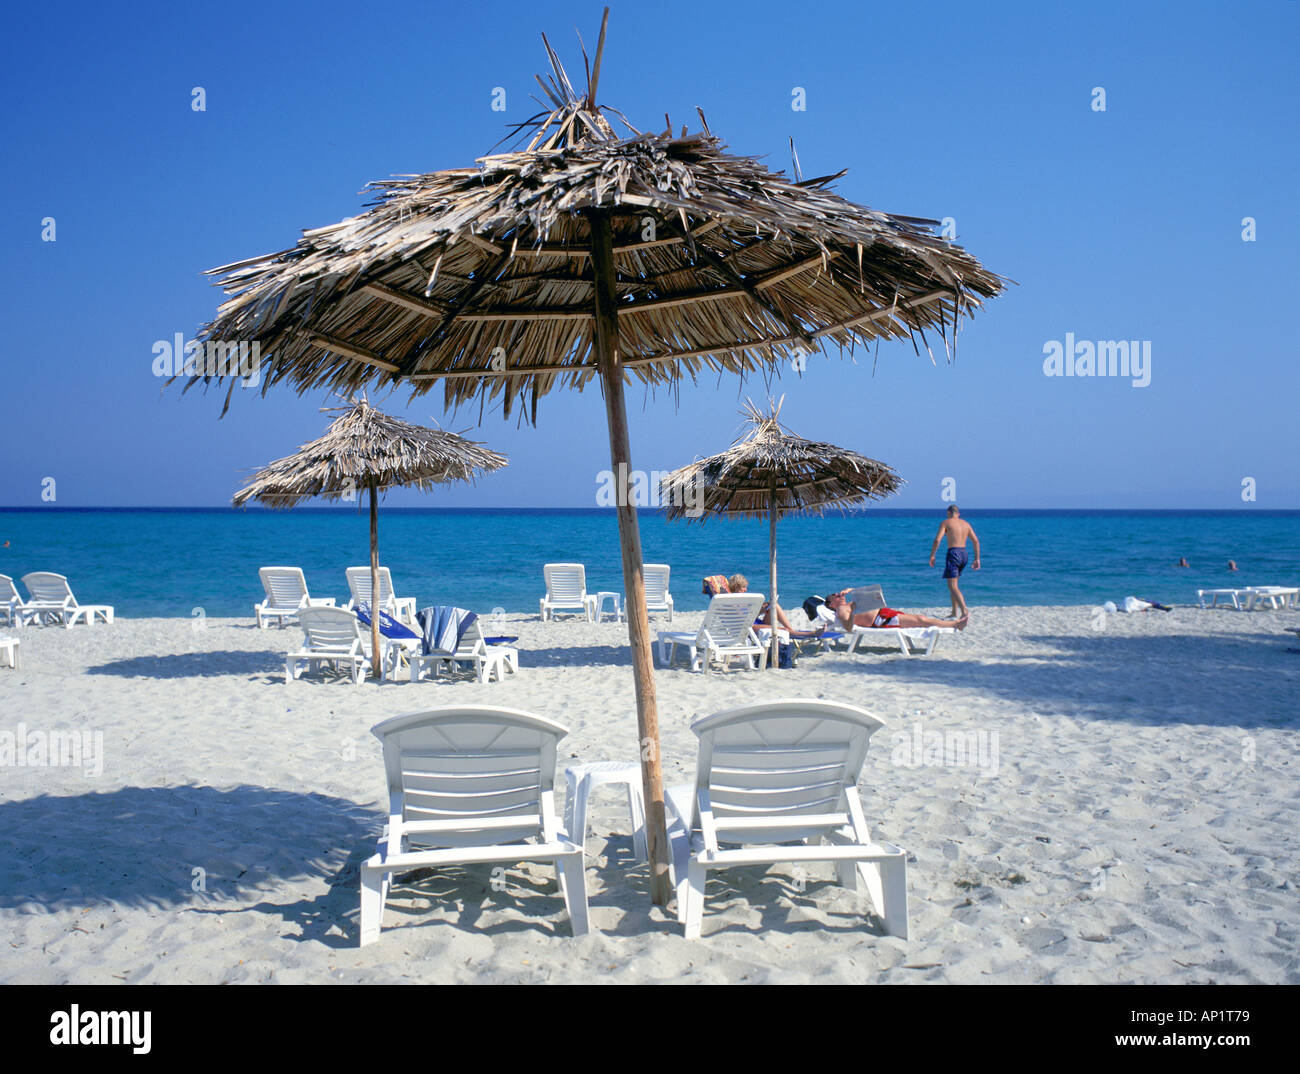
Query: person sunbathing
(738, 583)
(885, 617)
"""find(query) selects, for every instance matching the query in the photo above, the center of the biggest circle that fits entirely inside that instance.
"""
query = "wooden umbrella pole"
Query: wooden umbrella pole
(629, 537)
(774, 660)
(374, 582)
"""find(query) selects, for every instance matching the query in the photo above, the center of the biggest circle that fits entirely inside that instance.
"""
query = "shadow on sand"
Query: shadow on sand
(1227, 680)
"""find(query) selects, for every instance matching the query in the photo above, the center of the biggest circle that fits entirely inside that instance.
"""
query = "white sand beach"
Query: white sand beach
(1138, 822)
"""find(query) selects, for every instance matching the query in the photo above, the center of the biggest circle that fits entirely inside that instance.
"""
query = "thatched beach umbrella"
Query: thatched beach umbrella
(367, 450)
(590, 257)
(773, 472)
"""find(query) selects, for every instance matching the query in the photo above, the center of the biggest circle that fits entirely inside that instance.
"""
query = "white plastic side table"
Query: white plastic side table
(582, 779)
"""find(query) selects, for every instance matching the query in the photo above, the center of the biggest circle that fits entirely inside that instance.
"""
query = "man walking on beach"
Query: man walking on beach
(957, 532)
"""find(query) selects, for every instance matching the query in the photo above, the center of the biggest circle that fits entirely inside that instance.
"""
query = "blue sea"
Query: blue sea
(167, 562)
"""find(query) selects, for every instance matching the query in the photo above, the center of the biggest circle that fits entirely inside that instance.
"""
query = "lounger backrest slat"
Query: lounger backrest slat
(329, 629)
(781, 759)
(565, 582)
(473, 640)
(730, 617)
(656, 582)
(359, 584)
(285, 586)
(48, 588)
(8, 591)
(467, 764)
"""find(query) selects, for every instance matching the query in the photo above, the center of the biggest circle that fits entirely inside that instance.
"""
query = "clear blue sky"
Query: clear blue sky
(1122, 224)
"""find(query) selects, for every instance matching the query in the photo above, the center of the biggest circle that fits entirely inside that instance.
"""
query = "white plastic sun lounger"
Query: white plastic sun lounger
(483, 659)
(782, 772)
(1271, 596)
(912, 641)
(726, 634)
(333, 636)
(13, 609)
(566, 590)
(1234, 595)
(286, 593)
(9, 651)
(52, 601)
(657, 597)
(468, 786)
(402, 608)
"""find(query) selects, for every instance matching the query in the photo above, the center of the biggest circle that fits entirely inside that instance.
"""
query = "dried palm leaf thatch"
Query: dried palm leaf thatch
(483, 277)
(364, 449)
(773, 470)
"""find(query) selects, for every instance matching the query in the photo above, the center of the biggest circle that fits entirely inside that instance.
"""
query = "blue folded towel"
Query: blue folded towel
(444, 627)
(388, 626)
(501, 639)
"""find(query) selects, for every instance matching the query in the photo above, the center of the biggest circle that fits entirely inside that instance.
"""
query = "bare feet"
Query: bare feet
(961, 623)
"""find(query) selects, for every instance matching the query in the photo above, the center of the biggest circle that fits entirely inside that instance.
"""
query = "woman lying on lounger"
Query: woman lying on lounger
(884, 617)
(738, 583)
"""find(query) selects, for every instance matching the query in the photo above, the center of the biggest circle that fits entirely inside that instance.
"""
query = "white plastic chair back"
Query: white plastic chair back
(359, 584)
(9, 594)
(473, 640)
(469, 763)
(285, 586)
(781, 759)
(566, 583)
(730, 617)
(330, 630)
(47, 587)
(656, 583)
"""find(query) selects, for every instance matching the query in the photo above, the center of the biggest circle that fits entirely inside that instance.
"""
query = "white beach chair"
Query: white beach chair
(1235, 595)
(781, 772)
(657, 597)
(9, 650)
(911, 641)
(485, 660)
(566, 590)
(1271, 596)
(468, 786)
(726, 634)
(333, 636)
(286, 593)
(52, 601)
(402, 608)
(13, 609)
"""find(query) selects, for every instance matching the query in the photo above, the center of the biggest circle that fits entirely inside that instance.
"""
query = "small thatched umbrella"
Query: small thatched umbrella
(773, 472)
(584, 257)
(365, 449)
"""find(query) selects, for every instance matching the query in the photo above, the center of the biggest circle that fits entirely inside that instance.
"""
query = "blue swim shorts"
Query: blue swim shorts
(955, 563)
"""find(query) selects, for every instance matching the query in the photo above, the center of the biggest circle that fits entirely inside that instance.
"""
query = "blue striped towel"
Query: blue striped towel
(443, 628)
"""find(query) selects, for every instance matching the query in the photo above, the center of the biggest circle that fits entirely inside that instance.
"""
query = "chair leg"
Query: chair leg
(576, 808)
(846, 875)
(886, 883)
(575, 891)
(696, 876)
(288, 671)
(636, 810)
(679, 847)
(373, 885)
